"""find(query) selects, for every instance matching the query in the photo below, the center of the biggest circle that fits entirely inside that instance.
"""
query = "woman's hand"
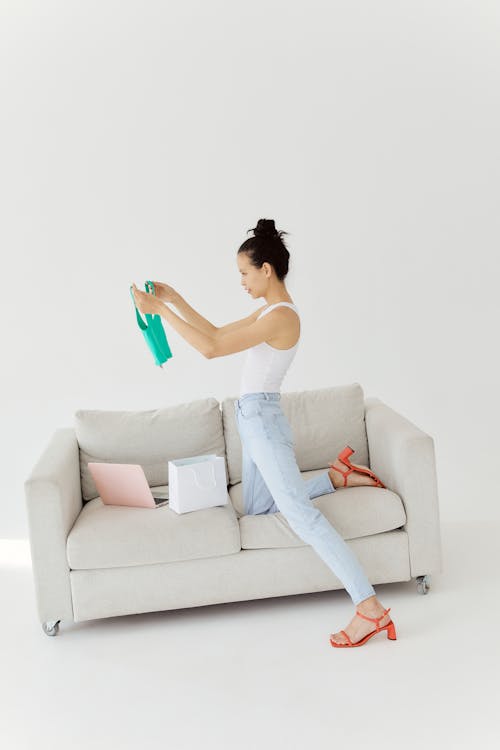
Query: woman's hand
(147, 303)
(165, 292)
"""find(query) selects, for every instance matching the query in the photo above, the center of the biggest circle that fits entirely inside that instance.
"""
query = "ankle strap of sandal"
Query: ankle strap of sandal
(373, 619)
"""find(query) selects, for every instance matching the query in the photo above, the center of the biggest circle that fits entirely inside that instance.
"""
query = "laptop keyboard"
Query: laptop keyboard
(160, 499)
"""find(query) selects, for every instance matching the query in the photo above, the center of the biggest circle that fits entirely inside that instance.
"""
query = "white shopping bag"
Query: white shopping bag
(197, 482)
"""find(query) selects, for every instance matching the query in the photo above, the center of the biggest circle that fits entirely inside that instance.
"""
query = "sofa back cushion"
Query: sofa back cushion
(149, 438)
(323, 421)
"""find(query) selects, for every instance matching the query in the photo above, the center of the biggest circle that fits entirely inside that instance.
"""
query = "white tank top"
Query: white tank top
(265, 366)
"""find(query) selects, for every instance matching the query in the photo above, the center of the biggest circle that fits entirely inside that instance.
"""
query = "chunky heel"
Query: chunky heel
(391, 632)
(345, 453)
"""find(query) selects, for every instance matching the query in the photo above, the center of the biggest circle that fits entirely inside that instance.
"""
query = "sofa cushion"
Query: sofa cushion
(353, 511)
(323, 421)
(149, 438)
(112, 536)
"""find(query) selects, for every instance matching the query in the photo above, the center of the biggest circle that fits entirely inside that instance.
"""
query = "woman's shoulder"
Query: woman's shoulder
(289, 309)
(281, 312)
(278, 311)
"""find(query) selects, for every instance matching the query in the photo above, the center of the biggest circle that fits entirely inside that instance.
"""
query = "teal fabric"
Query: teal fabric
(153, 331)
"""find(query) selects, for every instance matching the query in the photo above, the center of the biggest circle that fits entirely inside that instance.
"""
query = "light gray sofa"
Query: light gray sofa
(91, 560)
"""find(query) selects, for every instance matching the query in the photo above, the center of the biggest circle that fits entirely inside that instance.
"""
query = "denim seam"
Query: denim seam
(276, 418)
(283, 476)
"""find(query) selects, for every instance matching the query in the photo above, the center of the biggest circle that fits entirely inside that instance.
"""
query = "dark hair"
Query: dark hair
(267, 246)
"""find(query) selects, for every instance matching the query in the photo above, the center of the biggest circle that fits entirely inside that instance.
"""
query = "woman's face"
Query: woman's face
(253, 280)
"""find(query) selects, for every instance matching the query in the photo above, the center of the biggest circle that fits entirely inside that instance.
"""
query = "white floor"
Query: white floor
(262, 674)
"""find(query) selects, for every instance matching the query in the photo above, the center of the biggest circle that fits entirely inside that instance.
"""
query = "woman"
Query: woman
(271, 477)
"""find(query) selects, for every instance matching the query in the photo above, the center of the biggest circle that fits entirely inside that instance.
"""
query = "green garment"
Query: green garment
(153, 330)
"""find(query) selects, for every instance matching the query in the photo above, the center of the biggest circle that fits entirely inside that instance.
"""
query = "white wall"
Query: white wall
(140, 140)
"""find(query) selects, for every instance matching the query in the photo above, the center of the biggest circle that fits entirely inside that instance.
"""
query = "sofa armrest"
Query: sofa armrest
(53, 502)
(402, 455)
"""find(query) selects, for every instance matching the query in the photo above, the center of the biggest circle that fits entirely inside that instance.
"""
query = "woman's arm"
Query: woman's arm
(230, 343)
(202, 324)
(201, 341)
(206, 343)
(191, 316)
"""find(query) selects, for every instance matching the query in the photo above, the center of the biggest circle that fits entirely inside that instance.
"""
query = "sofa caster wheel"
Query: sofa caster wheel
(423, 583)
(51, 627)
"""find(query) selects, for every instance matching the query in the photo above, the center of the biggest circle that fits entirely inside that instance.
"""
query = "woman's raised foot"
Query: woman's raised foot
(354, 478)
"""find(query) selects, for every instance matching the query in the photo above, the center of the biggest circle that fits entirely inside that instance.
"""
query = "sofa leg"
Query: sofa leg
(51, 627)
(423, 583)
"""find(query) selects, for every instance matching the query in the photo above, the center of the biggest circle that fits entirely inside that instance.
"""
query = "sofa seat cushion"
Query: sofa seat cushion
(111, 536)
(353, 511)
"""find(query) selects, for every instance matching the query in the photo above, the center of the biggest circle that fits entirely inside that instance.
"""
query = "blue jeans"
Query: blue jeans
(272, 482)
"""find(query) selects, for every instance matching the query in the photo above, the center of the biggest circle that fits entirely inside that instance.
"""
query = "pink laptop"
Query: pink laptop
(125, 484)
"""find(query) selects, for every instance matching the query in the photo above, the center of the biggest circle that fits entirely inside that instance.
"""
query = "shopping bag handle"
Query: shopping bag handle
(196, 477)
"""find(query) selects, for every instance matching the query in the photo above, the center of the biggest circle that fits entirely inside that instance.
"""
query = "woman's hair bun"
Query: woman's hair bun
(267, 246)
(265, 228)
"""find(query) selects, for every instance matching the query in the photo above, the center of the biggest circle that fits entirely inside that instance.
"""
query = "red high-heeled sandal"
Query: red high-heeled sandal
(390, 627)
(344, 458)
